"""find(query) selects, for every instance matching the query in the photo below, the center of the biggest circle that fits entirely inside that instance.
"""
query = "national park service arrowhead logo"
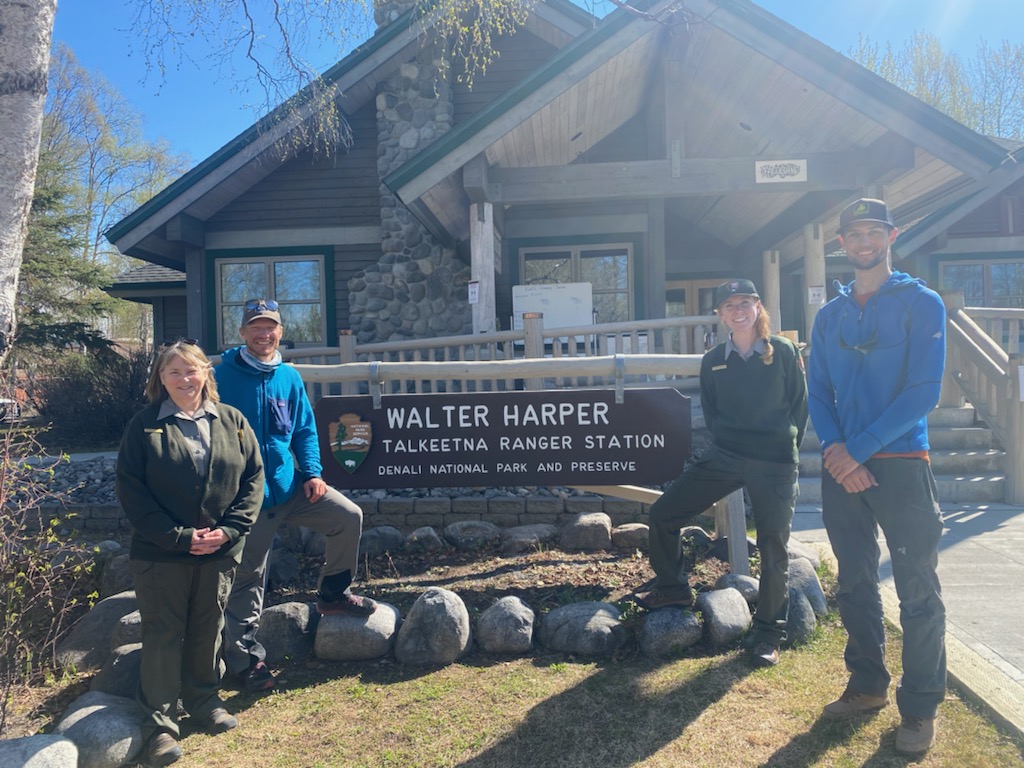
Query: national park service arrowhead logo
(351, 438)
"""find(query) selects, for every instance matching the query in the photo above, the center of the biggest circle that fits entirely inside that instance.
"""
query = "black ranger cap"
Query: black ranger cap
(865, 209)
(734, 288)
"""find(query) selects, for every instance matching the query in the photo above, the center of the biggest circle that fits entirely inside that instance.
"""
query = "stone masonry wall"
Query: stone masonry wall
(418, 289)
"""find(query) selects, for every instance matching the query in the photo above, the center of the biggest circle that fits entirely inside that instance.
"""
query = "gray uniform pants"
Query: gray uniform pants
(182, 608)
(904, 506)
(772, 488)
(341, 522)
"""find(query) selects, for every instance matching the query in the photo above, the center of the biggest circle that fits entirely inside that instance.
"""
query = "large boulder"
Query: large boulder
(106, 729)
(87, 646)
(472, 535)
(668, 631)
(590, 628)
(40, 751)
(726, 615)
(747, 586)
(424, 539)
(120, 675)
(590, 531)
(436, 631)
(527, 538)
(381, 539)
(127, 630)
(801, 622)
(506, 627)
(804, 578)
(286, 631)
(635, 536)
(116, 576)
(351, 638)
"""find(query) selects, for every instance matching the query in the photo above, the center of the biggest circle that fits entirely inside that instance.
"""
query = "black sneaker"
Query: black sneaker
(764, 654)
(347, 604)
(255, 679)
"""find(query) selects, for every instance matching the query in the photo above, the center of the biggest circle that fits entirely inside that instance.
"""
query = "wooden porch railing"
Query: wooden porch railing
(983, 364)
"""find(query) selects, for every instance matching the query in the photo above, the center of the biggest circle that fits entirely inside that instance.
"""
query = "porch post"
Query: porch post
(770, 295)
(481, 245)
(1014, 489)
(950, 396)
(814, 275)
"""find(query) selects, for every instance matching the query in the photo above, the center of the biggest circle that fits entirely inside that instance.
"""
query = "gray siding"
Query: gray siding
(314, 191)
(520, 55)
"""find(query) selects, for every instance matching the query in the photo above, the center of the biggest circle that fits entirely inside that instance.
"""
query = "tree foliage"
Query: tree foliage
(985, 92)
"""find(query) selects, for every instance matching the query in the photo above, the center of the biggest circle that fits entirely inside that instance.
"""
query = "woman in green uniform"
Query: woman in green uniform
(754, 396)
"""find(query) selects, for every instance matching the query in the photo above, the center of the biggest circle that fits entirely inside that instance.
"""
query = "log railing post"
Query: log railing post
(1014, 489)
(347, 354)
(533, 345)
(950, 395)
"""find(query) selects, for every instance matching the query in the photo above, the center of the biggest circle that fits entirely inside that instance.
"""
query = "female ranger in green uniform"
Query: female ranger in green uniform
(754, 396)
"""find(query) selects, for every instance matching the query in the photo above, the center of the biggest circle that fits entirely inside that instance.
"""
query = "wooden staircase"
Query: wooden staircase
(968, 466)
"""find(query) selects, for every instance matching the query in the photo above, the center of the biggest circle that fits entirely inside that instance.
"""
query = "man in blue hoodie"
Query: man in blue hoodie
(875, 370)
(273, 400)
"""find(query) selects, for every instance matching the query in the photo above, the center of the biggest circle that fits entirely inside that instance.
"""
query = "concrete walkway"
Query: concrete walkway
(981, 568)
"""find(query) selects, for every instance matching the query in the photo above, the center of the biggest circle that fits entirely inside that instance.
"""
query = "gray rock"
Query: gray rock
(349, 638)
(697, 541)
(527, 538)
(436, 631)
(809, 551)
(803, 577)
(424, 539)
(668, 631)
(120, 675)
(472, 535)
(589, 531)
(591, 628)
(801, 622)
(506, 627)
(720, 549)
(747, 586)
(283, 568)
(631, 536)
(106, 729)
(377, 541)
(286, 631)
(116, 576)
(127, 630)
(40, 751)
(301, 540)
(87, 646)
(726, 615)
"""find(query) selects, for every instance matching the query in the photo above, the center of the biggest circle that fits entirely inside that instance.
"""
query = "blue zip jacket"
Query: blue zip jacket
(276, 406)
(874, 374)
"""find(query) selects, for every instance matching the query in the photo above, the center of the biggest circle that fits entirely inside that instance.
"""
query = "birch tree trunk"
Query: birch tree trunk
(26, 27)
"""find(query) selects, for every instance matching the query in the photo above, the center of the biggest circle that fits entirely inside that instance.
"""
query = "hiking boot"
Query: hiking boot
(660, 597)
(162, 749)
(852, 704)
(764, 654)
(915, 735)
(347, 604)
(255, 679)
(220, 721)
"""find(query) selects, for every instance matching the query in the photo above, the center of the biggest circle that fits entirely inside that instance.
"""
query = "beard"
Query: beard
(880, 255)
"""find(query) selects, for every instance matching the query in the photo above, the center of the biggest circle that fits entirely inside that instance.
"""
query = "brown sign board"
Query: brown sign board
(483, 439)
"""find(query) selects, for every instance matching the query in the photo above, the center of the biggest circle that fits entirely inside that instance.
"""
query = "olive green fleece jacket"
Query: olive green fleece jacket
(755, 410)
(166, 499)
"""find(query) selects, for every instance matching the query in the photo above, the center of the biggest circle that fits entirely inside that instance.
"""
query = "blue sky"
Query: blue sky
(198, 108)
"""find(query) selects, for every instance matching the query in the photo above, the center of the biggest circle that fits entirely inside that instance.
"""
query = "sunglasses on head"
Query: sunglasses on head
(179, 340)
(270, 304)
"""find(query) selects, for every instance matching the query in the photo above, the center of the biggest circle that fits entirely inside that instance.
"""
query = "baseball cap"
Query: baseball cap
(734, 288)
(257, 308)
(865, 209)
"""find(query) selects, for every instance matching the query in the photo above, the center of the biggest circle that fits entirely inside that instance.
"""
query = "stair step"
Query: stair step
(951, 488)
(985, 461)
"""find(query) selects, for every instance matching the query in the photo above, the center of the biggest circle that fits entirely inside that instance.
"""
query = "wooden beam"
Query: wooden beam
(475, 179)
(646, 179)
(186, 229)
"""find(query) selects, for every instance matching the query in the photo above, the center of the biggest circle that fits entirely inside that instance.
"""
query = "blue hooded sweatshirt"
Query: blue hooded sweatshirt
(277, 409)
(875, 373)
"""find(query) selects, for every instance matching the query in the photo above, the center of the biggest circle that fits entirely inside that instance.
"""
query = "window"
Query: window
(608, 268)
(985, 283)
(691, 297)
(296, 282)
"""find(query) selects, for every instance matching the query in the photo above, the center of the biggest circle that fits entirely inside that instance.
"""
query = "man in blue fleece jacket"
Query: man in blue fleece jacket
(273, 400)
(875, 370)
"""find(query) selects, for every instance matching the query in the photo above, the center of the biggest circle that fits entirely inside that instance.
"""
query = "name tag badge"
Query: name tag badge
(721, 367)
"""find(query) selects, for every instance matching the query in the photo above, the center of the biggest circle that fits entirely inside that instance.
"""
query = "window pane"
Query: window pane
(675, 302)
(605, 268)
(303, 323)
(297, 281)
(239, 282)
(1007, 284)
(230, 319)
(546, 267)
(969, 278)
(611, 307)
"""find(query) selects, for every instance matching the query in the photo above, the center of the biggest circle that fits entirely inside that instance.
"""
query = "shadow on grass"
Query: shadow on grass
(611, 719)
(823, 736)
